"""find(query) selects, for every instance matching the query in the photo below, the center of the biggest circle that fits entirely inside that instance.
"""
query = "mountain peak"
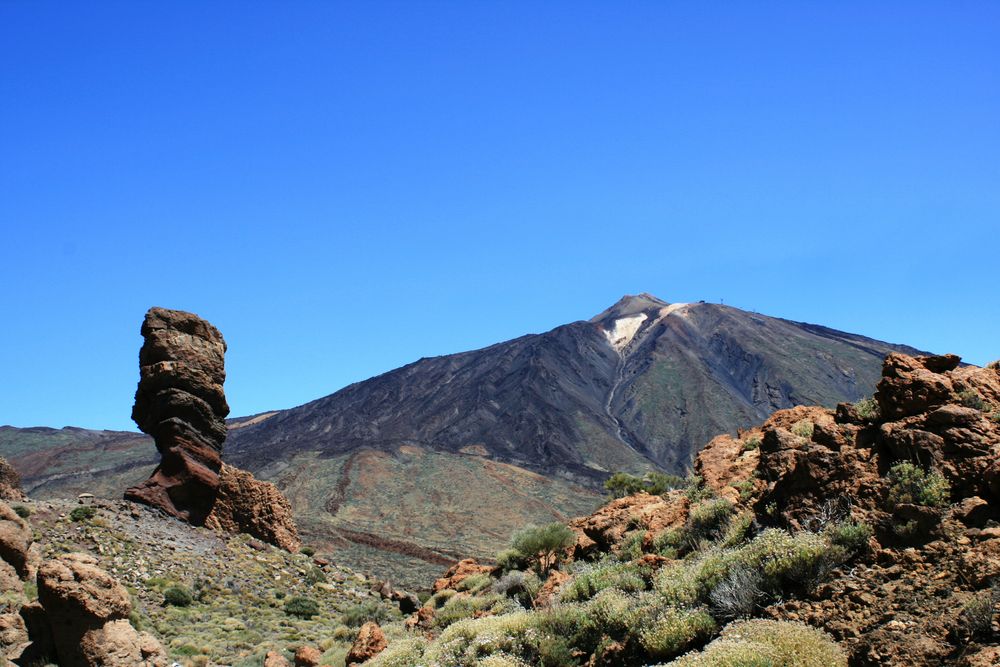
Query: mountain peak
(631, 305)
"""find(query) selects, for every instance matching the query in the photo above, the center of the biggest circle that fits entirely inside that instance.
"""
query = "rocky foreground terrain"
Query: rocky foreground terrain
(865, 535)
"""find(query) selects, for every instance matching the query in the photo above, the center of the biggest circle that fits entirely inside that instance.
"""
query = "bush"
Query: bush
(911, 484)
(762, 643)
(521, 586)
(976, 616)
(803, 428)
(751, 443)
(512, 559)
(851, 535)
(655, 483)
(706, 520)
(21, 511)
(358, 614)
(738, 595)
(474, 582)
(591, 580)
(674, 631)
(307, 551)
(543, 544)
(867, 408)
(177, 596)
(83, 513)
(461, 607)
(301, 607)
(970, 398)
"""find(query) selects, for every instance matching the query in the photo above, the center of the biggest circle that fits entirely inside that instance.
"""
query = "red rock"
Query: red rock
(86, 611)
(459, 572)
(10, 482)
(275, 659)
(248, 505)
(181, 403)
(307, 656)
(369, 643)
(549, 590)
(15, 540)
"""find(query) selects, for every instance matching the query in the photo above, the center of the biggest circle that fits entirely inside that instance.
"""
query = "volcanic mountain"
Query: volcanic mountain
(644, 383)
(448, 454)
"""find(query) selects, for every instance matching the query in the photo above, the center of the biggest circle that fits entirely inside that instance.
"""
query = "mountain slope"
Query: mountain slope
(642, 384)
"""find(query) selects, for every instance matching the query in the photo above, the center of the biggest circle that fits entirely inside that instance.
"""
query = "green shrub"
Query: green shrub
(707, 519)
(83, 513)
(301, 607)
(971, 398)
(751, 443)
(543, 544)
(622, 484)
(21, 511)
(674, 631)
(589, 580)
(461, 607)
(851, 535)
(177, 596)
(696, 490)
(655, 483)
(976, 617)
(521, 586)
(867, 408)
(912, 484)
(765, 643)
(475, 582)
(358, 614)
(400, 653)
(803, 428)
(668, 542)
(630, 548)
(307, 551)
(512, 559)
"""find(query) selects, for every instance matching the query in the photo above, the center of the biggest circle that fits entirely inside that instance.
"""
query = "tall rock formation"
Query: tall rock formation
(181, 403)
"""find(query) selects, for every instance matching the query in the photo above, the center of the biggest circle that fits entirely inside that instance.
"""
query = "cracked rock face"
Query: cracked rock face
(181, 403)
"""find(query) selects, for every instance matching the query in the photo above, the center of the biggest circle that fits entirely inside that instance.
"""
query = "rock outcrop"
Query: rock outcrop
(245, 504)
(10, 482)
(181, 403)
(15, 541)
(459, 572)
(928, 560)
(369, 643)
(81, 618)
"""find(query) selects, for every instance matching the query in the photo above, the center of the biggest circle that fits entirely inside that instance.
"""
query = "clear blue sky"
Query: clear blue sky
(343, 188)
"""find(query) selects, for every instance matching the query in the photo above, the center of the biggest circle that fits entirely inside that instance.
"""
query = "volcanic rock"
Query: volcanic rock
(247, 505)
(87, 614)
(459, 572)
(10, 482)
(370, 642)
(307, 656)
(181, 403)
(15, 541)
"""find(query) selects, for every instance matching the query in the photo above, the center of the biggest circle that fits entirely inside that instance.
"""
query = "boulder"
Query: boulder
(307, 656)
(86, 612)
(369, 643)
(275, 659)
(15, 540)
(248, 505)
(10, 482)
(181, 403)
(459, 572)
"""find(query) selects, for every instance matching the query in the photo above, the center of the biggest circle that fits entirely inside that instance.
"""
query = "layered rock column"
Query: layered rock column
(181, 403)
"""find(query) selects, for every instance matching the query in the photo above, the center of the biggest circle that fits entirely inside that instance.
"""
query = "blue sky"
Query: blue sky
(343, 188)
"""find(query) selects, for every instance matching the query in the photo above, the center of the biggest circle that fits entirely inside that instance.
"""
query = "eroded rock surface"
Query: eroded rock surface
(247, 505)
(10, 482)
(86, 612)
(370, 642)
(181, 403)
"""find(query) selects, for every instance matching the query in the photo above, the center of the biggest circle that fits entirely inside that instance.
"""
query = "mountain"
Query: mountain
(642, 384)
(448, 455)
